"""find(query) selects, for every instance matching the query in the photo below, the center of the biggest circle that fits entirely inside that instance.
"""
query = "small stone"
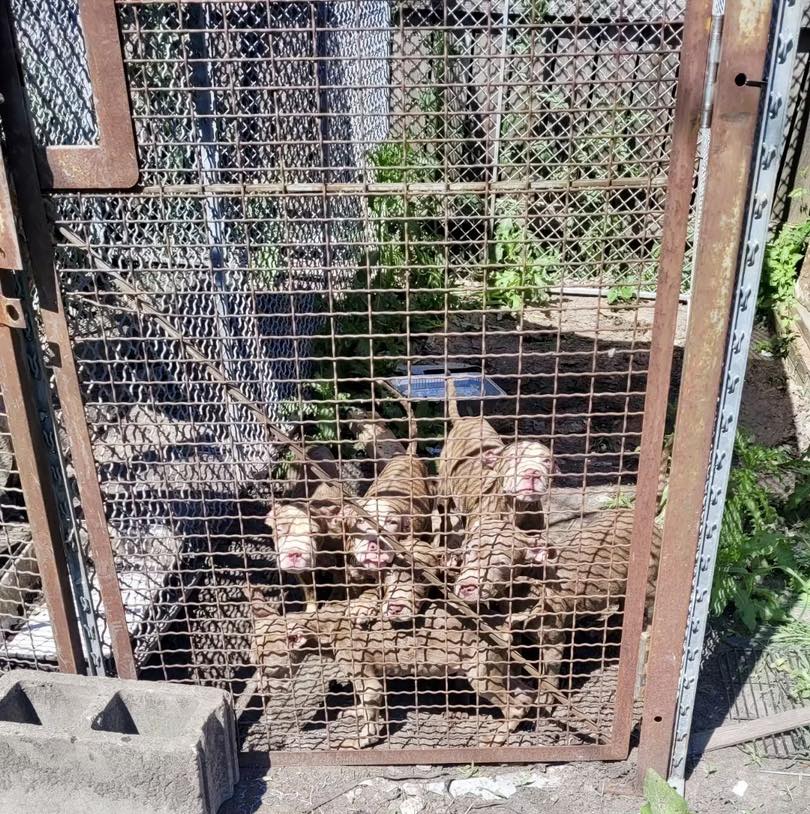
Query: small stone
(413, 805)
(387, 789)
(411, 789)
(439, 787)
(740, 788)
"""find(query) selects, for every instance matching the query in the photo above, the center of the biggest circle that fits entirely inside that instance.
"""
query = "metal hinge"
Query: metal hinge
(11, 312)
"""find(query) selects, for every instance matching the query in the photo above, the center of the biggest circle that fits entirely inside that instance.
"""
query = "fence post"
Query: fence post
(34, 223)
(734, 124)
(29, 449)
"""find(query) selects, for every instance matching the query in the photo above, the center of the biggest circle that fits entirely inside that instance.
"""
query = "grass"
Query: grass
(764, 550)
(783, 254)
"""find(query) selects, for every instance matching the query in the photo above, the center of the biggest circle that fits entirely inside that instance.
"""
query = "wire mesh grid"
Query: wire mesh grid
(343, 207)
(744, 680)
(24, 621)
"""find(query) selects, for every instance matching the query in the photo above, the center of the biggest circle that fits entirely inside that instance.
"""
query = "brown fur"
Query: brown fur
(439, 647)
(405, 587)
(481, 476)
(588, 576)
(400, 503)
(492, 551)
(305, 531)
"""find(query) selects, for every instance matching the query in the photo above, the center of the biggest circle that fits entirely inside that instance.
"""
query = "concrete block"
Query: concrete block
(78, 745)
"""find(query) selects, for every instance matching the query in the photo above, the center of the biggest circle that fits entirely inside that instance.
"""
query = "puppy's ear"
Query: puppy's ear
(329, 509)
(397, 524)
(490, 458)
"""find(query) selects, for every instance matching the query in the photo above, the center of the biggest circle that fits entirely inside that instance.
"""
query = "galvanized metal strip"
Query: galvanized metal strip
(39, 499)
(40, 249)
(689, 104)
(735, 117)
(113, 163)
(769, 148)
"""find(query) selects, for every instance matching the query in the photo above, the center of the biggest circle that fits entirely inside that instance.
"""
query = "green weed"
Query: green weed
(619, 501)
(622, 295)
(765, 533)
(660, 797)
(777, 290)
(521, 270)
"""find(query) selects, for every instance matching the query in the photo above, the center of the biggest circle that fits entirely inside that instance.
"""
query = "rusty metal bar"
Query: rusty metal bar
(39, 500)
(9, 245)
(412, 188)
(466, 754)
(688, 109)
(113, 163)
(35, 225)
(32, 458)
(734, 122)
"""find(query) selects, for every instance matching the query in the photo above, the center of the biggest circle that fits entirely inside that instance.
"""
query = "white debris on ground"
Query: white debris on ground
(499, 787)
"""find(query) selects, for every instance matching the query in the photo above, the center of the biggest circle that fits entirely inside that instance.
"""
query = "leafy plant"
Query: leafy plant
(777, 291)
(799, 675)
(522, 271)
(622, 295)
(622, 500)
(660, 797)
(764, 534)
(322, 407)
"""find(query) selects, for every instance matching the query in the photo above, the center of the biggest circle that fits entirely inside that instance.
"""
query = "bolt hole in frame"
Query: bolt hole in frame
(206, 499)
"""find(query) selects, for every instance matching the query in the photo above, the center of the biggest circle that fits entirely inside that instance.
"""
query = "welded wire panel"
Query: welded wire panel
(344, 205)
(27, 638)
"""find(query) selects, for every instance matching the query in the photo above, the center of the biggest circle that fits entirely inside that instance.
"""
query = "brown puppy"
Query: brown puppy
(589, 577)
(440, 647)
(481, 476)
(305, 531)
(491, 554)
(400, 504)
(404, 586)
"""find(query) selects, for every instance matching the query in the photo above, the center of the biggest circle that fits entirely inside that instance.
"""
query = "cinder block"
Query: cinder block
(78, 745)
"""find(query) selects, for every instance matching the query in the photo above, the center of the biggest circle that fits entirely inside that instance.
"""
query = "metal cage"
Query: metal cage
(363, 384)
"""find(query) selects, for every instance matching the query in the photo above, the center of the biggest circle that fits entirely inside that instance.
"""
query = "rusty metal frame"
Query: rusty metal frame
(689, 105)
(734, 122)
(32, 458)
(113, 162)
(688, 109)
(34, 223)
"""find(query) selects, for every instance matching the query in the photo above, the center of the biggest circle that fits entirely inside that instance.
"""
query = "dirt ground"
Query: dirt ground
(728, 780)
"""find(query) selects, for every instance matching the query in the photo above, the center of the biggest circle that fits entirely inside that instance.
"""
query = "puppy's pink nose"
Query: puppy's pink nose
(468, 590)
(395, 609)
(293, 558)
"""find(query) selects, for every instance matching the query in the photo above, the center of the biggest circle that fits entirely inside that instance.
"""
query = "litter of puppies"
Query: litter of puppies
(384, 574)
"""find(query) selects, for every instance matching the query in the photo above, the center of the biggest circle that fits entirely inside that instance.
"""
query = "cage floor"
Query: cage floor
(744, 680)
(304, 715)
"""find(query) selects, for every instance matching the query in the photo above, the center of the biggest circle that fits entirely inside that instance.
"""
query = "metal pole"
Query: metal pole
(32, 458)
(769, 143)
(23, 170)
(735, 118)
